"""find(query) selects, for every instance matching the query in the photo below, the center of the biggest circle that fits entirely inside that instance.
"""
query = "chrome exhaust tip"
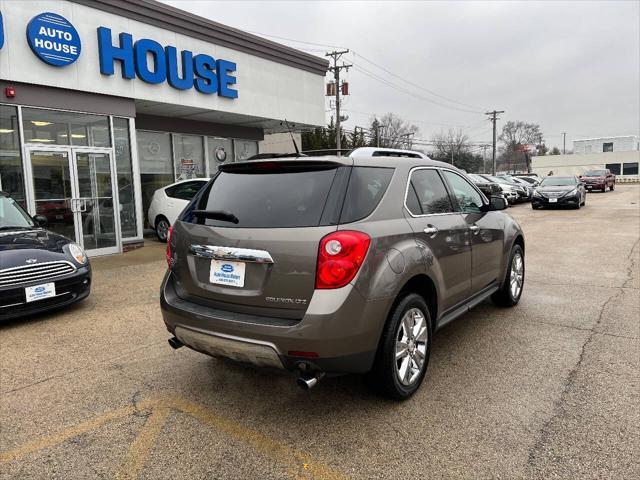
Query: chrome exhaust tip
(175, 343)
(308, 381)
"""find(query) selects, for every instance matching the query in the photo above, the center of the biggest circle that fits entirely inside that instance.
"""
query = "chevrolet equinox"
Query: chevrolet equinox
(331, 265)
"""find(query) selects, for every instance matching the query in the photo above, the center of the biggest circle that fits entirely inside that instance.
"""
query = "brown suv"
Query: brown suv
(336, 264)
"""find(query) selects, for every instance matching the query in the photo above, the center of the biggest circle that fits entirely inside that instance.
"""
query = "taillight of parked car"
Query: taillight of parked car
(340, 256)
(169, 247)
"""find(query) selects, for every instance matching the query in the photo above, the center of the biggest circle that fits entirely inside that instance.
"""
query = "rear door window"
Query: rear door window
(366, 188)
(270, 196)
(185, 191)
(427, 194)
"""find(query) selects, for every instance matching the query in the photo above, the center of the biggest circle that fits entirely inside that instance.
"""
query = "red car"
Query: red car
(599, 180)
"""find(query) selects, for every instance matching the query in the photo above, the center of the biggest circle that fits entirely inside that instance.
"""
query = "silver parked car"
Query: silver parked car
(336, 265)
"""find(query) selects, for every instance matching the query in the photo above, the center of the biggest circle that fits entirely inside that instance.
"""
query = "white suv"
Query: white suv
(168, 202)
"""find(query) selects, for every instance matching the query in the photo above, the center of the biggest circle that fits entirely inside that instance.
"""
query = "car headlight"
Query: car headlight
(572, 192)
(78, 253)
(536, 193)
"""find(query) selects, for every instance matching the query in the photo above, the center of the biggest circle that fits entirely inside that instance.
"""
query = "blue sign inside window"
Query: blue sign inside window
(1, 31)
(53, 39)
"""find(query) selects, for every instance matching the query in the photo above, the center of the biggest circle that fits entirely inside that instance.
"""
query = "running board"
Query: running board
(467, 305)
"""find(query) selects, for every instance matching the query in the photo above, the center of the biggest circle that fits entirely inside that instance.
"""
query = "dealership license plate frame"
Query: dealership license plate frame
(221, 274)
(33, 294)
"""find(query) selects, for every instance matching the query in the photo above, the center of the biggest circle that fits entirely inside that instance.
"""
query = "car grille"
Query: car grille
(35, 272)
(554, 194)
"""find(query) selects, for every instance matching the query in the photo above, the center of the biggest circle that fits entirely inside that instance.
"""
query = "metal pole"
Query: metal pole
(336, 75)
(564, 143)
(493, 118)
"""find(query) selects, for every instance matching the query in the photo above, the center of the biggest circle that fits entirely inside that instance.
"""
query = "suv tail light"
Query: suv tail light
(169, 247)
(339, 258)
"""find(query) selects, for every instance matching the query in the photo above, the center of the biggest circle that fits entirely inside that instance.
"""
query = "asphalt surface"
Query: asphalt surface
(547, 389)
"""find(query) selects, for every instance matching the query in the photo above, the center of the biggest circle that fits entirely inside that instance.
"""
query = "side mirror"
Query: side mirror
(40, 220)
(495, 203)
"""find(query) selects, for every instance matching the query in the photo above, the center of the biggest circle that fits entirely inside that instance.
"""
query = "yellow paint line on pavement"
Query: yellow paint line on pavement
(142, 445)
(58, 438)
(299, 464)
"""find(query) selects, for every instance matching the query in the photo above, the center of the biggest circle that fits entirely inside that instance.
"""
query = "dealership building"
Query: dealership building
(104, 101)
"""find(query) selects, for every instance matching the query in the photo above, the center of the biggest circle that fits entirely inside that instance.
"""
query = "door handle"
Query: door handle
(475, 229)
(431, 230)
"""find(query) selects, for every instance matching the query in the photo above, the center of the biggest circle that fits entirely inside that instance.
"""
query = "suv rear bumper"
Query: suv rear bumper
(339, 332)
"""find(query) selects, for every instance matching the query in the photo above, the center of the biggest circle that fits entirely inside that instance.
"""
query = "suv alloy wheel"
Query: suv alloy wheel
(405, 348)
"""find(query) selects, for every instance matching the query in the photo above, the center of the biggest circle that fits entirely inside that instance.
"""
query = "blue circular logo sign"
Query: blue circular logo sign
(227, 268)
(53, 39)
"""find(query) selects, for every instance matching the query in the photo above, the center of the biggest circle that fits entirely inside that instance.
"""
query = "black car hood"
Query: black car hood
(18, 246)
(559, 188)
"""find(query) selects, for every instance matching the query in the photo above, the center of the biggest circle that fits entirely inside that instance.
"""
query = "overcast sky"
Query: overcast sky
(571, 66)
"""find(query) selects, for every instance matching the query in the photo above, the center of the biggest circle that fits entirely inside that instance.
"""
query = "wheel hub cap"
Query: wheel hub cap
(411, 346)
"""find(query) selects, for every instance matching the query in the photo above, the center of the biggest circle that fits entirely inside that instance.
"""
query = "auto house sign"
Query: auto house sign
(53, 39)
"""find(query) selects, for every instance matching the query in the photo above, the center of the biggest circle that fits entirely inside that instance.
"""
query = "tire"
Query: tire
(387, 374)
(604, 189)
(162, 228)
(612, 187)
(505, 297)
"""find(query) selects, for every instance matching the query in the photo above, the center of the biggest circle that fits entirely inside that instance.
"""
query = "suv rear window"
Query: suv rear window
(261, 196)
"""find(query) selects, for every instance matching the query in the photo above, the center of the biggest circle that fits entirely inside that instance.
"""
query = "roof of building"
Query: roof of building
(604, 138)
(174, 19)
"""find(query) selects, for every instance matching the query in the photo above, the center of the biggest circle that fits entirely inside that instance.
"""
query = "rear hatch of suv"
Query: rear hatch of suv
(259, 256)
(248, 243)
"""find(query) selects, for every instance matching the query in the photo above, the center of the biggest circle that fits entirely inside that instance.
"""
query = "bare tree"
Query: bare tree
(454, 147)
(391, 131)
(515, 136)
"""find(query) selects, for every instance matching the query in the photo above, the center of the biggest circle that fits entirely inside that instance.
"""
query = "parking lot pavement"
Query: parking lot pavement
(547, 389)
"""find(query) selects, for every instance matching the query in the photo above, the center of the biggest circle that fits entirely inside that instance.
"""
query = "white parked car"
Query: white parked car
(168, 202)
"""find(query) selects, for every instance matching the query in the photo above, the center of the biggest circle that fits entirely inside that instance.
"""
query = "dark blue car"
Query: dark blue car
(39, 270)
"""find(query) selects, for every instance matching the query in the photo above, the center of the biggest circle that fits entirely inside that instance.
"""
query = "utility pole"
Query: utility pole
(335, 55)
(484, 158)
(493, 117)
(564, 143)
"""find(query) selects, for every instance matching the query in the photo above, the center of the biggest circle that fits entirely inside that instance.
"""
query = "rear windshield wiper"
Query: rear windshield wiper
(216, 215)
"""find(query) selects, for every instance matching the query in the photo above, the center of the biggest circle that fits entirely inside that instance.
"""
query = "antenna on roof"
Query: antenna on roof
(295, 145)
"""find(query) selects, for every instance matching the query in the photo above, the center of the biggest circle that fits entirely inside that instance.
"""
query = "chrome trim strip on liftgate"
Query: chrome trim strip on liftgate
(231, 253)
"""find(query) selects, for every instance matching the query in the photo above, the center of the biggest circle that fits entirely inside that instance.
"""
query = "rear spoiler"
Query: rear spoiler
(280, 165)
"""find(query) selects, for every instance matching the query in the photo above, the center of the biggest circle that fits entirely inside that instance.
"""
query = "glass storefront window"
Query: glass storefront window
(220, 152)
(126, 195)
(11, 176)
(188, 155)
(245, 149)
(51, 127)
(156, 167)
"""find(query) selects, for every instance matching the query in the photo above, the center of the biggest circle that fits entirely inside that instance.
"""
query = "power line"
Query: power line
(416, 85)
(408, 92)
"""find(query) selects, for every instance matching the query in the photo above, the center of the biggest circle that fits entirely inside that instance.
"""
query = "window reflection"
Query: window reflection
(51, 127)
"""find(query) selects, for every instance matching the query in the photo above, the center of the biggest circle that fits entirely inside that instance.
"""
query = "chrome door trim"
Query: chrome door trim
(231, 253)
(406, 192)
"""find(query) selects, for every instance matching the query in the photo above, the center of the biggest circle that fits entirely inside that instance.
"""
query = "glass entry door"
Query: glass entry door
(74, 189)
(95, 202)
(53, 190)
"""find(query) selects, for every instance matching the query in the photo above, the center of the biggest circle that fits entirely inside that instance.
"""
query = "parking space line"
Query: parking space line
(299, 464)
(63, 436)
(141, 447)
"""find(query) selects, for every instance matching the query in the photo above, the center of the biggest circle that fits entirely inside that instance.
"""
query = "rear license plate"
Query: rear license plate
(59, 217)
(40, 292)
(553, 200)
(227, 273)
